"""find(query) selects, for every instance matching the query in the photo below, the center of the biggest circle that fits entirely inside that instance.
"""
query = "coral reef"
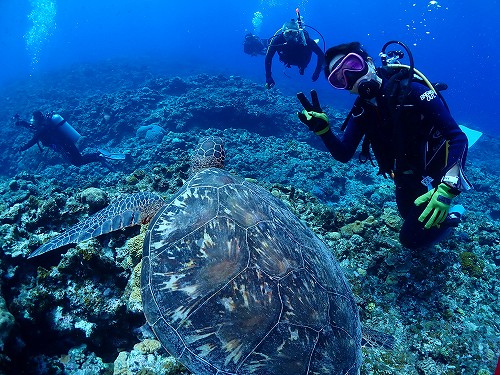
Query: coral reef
(80, 308)
(6, 322)
(95, 198)
(147, 359)
(150, 133)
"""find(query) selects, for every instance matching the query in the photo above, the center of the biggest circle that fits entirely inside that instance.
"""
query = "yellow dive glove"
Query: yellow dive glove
(438, 204)
(312, 115)
(315, 121)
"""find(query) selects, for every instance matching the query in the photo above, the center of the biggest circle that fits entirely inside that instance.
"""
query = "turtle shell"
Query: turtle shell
(233, 283)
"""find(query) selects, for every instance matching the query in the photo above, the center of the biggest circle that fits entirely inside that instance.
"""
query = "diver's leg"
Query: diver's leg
(413, 235)
(92, 158)
(71, 153)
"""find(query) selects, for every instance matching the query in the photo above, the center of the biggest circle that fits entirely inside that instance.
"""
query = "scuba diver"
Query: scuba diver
(294, 47)
(253, 45)
(407, 123)
(53, 131)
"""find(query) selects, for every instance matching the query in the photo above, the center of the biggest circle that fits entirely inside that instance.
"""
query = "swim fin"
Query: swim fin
(455, 215)
(112, 156)
(472, 135)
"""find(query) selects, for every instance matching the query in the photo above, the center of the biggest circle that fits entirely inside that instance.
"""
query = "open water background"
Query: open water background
(452, 41)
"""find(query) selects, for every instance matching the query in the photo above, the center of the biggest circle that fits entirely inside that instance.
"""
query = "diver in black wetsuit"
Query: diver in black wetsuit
(416, 142)
(54, 132)
(294, 47)
(253, 45)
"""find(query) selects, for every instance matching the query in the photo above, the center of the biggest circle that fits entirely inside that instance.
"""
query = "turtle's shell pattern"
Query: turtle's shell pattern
(233, 283)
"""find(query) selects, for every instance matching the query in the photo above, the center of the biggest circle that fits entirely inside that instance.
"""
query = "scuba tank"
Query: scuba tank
(63, 126)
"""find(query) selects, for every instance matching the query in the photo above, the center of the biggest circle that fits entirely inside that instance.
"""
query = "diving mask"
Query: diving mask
(347, 71)
(291, 34)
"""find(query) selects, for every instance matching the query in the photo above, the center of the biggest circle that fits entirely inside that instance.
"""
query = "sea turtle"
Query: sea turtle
(232, 282)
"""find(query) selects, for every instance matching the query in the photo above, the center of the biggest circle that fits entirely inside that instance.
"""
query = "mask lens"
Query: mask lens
(346, 70)
(290, 34)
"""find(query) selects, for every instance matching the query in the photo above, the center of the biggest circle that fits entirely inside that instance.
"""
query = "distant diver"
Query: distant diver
(294, 47)
(254, 46)
(54, 132)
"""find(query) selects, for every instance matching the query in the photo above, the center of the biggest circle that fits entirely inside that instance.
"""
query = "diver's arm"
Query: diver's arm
(436, 113)
(343, 150)
(317, 121)
(319, 53)
(457, 154)
(271, 50)
(30, 144)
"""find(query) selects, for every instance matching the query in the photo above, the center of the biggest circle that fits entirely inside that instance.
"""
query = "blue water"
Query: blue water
(455, 42)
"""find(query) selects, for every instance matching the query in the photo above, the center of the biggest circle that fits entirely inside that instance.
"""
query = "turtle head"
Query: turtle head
(209, 153)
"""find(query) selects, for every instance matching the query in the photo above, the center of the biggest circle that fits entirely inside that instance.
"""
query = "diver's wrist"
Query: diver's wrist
(451, 181)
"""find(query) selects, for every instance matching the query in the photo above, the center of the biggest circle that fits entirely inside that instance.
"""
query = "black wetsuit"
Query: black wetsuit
(427, 143)
(254, 46)
(50, 135)
(294, 53)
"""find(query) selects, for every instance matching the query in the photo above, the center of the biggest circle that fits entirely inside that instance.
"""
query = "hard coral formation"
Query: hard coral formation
(135, 245)
(133, 290)
(148, 346)
(95, 198)
(150, 133)
(471, 264)
(6, 322)
(79, 361)
(357, 227)
(137, 362)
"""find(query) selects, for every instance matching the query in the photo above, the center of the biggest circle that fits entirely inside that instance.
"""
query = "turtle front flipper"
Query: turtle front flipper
(130, 210)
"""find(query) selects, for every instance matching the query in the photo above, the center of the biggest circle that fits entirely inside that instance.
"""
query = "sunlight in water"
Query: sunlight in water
(42, 16)
(257, 22)
(424, 18)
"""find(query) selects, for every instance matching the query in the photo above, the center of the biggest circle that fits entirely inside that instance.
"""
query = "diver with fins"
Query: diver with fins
(294, 47)
(53, 131)
(253, 45)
